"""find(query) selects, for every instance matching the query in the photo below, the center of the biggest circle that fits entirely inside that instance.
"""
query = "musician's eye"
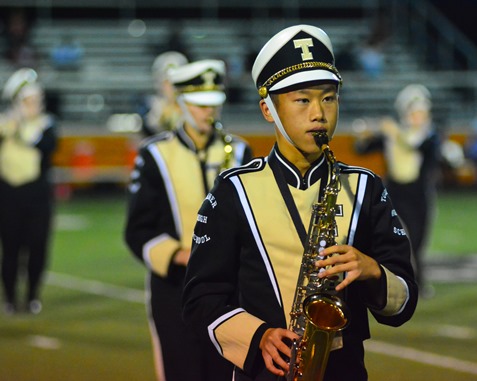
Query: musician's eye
(330, 98)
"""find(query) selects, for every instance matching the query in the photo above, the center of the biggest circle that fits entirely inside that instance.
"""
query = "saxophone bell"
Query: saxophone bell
(326, 315)
(326, 312)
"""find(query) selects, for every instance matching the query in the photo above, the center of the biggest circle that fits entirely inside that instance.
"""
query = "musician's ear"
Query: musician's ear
(266, 112)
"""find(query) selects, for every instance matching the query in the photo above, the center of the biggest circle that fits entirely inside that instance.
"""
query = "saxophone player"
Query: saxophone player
(250, 234)
(173, 172)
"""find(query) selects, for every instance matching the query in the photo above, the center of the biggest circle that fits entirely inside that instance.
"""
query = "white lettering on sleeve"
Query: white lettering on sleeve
(202, 239)
(212, 200)
(399, 231)
(201, 218)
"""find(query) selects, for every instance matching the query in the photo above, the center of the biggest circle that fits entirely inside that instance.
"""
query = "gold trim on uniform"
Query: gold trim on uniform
(203, 87)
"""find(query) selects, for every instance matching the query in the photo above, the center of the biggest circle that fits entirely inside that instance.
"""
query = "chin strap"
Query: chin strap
(277, 120)
(185, 113)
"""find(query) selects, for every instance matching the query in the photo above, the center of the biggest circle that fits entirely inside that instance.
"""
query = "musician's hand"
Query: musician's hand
(390, 128)
(357, 265)
(8, 127)
(272, 344)
(181, 257)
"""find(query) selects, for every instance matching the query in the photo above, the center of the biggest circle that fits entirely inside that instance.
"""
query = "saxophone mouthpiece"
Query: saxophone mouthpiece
(321, 138)
(217, 125)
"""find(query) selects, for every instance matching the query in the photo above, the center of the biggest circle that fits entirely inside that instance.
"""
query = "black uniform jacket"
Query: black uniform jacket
(246, 257)
(168, 184)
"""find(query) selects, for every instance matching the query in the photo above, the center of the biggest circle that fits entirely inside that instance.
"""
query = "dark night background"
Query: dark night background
(463, 13)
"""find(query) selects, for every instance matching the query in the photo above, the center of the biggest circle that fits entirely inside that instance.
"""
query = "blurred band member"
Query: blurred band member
(411, 148)
(173, 173)
(27, 141)
(160, 111)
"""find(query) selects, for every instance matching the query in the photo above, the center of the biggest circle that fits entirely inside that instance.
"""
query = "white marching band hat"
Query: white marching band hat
(413, 97)
(167, 60)
(296, 55)
(201, 82)
(20, 84)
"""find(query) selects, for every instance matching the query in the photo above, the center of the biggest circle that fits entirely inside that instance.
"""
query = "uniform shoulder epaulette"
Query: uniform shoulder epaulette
(161, 136)
(254, 165)
(345, 168)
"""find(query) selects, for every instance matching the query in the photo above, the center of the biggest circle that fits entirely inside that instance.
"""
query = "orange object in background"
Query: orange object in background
(85, 160)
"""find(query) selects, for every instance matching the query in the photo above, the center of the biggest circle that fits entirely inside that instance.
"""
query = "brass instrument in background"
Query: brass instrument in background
(317, 314)
(228, 149)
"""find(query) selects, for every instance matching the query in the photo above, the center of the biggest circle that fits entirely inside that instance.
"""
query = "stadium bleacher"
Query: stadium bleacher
(118, 54)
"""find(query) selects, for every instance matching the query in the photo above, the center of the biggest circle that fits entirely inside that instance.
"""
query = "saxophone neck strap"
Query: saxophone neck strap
(288, 198)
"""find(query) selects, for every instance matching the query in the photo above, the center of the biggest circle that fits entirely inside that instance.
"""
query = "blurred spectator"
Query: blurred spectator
(371, 56)
(67, 54)
(27, 141)
(371, 60)
(19, 50)
(411, 149)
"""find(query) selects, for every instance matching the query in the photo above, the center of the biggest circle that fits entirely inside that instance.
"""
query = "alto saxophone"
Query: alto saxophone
(317, 314)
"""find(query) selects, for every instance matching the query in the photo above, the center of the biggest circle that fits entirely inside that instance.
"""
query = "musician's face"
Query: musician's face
(305, 111)
(418, 118)
(31, 106)
(204, 117)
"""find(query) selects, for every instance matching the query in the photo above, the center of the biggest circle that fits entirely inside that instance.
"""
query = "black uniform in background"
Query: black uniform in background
(414, 200)
(412, 151)
(25, 213)
(170, 181)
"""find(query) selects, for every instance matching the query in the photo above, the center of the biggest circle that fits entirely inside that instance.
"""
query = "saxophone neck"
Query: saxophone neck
(217, 125)
(227, 140)
(321, 140)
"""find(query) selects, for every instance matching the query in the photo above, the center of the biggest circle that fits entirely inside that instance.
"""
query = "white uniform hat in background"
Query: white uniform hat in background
(20, 83)
(200, 83)
(413, 97)
(167, 60)
(298, 54)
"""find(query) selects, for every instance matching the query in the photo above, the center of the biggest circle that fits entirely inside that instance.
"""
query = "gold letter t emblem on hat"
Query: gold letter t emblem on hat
(208, 77)
(304, 44)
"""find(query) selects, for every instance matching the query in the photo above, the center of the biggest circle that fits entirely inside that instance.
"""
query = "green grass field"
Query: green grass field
(93, 326)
